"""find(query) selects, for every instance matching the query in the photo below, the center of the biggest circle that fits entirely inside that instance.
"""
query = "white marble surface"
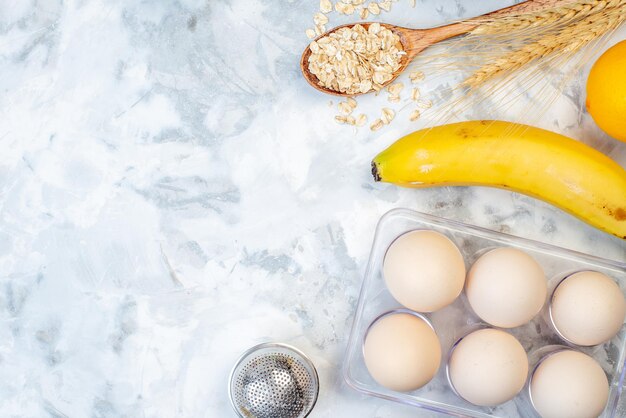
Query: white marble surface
(172, 192)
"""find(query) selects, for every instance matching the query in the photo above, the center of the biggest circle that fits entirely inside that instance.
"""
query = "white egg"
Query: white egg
(402, 352)
(506, 287)
(588, 308)
(424, 270)
(569, 384)
(488, 367)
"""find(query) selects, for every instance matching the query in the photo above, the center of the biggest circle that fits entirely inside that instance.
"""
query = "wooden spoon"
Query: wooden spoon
(415, 41)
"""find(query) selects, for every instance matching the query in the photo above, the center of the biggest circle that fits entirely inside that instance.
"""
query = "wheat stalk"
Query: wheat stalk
(565, 40)
(561, 15)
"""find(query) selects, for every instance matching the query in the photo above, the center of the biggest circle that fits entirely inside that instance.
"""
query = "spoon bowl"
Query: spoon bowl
(314, 81)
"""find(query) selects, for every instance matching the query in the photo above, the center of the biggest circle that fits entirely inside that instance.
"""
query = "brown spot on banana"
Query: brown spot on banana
(375, 172)
(463, 133)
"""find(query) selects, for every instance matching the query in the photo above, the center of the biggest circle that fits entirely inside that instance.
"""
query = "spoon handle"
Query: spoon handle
(441, 33)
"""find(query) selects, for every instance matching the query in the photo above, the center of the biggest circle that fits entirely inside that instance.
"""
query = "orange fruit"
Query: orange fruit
(606, 91)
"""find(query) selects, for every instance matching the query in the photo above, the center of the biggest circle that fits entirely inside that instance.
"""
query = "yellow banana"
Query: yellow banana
(533, 161)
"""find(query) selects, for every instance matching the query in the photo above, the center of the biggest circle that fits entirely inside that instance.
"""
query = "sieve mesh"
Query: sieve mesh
(273, 381)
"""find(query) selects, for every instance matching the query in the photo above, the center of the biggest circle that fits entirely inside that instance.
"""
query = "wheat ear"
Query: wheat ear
(566, 41)
(559, 15)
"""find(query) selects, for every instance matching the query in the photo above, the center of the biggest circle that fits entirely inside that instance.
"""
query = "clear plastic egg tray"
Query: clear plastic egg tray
(457, 319)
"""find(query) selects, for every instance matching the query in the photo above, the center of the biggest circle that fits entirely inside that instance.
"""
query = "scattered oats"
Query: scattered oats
(364, 13)
(373, 8)
(415, 115)
(376, 125)
(351, 102)
(326, 6)
(416, 76)
(425, 104)
(361, 120)
(394, 92)
(320, 19)
(355, 60)
(320, 29)
(385, 5)
(395, 88)
(412, 3)
(310, 33)
(357, 2)
(341, 119)
(388, 115)
(345, 108)
(415, 94)
(350, 120)
(343, 8)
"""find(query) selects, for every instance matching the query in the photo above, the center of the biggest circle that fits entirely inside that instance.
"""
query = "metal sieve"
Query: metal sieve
(273, 380)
